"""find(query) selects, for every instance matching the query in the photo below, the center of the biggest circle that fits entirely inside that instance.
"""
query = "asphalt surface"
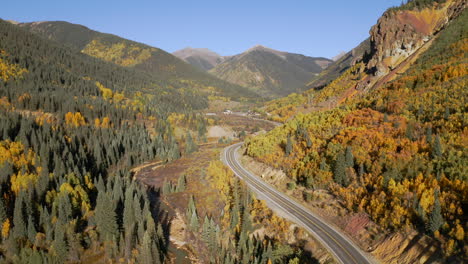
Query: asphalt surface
(343, 250)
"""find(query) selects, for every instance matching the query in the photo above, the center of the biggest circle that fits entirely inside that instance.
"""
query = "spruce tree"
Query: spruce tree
(31, 229)
(349, 158)
(129, 221)
(105, 217)
(436, 219)
(437, 149)
(339, 172)
(19, 226)
(181, 183)
(194, 223)
(429, 135)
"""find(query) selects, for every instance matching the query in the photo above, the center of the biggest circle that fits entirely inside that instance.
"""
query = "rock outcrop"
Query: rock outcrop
(399, 33)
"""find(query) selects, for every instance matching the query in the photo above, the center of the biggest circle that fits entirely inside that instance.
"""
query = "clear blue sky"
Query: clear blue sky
(311, 27)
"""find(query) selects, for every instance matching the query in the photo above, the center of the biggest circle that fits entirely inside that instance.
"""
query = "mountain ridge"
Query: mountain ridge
(270, 71)
(202, 58)
(129, 53)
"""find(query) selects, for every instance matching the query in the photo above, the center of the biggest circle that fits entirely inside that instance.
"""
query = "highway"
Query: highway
(342, 249)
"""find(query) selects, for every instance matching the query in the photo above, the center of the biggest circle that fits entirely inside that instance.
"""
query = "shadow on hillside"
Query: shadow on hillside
(160, 215)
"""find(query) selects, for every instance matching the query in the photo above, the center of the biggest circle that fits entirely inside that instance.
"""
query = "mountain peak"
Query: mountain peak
(261, 48)
(201, 58)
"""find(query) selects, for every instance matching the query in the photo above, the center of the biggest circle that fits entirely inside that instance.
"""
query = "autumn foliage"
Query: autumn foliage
(398, 154)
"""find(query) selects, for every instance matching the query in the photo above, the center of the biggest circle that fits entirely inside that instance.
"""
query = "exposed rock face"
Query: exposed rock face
(399, 33)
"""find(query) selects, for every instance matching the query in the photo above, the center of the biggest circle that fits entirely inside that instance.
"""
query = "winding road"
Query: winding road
(343, 249)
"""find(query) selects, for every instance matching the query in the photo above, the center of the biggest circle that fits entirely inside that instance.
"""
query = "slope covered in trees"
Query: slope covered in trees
(71, 127)
(159, 64)
(270, 72)
(398, 153)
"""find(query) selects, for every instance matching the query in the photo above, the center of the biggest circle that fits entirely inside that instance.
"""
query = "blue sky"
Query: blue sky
(310, 27)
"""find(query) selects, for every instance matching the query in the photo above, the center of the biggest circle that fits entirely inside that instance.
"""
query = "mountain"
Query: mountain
(270, 72)
(388, 136)
(339, 55)
(341, 64)
(160, 64)
(71, 128)
(203, 58)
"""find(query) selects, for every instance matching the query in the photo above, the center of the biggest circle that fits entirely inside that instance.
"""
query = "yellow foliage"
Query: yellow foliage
(459, 233)
(22, 181)
(105, 123)
(9, 71)
(14, 153)
(220, 177)
(6, 226)
(106, 92)
(4, 103)
(74, 119)
(119, 53)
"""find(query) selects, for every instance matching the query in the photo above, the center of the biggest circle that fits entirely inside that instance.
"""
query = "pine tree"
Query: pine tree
(410, 131)
(429, 135)
(436, 219)
(349, 158)
(6, 170)
(64, 208)
(339, 172)
(19, 229)
(31, 229)
(59, 245)
(437, 149)
(190, 146)
(129, 221)
(194, 224)
(181, 183)
(105, 217)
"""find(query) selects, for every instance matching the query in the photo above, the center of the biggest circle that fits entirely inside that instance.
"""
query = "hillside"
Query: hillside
(74, 130)
(71, 128)
(158, 63)
(338, 67)
(388, 137)
(270, 72)
(203, 59)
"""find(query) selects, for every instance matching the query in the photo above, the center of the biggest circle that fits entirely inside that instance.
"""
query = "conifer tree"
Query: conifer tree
(181, 183)
(349, 158)
(436, 219)
(194, 224)
(19, 226)
(31, 229)
(429, 135)
(437, 152)
(105, 217)
(339, 172)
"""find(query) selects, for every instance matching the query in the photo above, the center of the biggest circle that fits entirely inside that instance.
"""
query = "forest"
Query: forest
(71, 128)
(398, 153)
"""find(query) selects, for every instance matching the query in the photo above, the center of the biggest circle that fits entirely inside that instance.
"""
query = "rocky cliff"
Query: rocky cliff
(400, 32)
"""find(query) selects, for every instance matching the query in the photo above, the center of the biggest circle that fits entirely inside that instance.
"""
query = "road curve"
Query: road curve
(343, 250)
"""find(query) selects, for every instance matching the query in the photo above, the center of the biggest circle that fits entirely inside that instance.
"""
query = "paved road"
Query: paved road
(341, 248)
